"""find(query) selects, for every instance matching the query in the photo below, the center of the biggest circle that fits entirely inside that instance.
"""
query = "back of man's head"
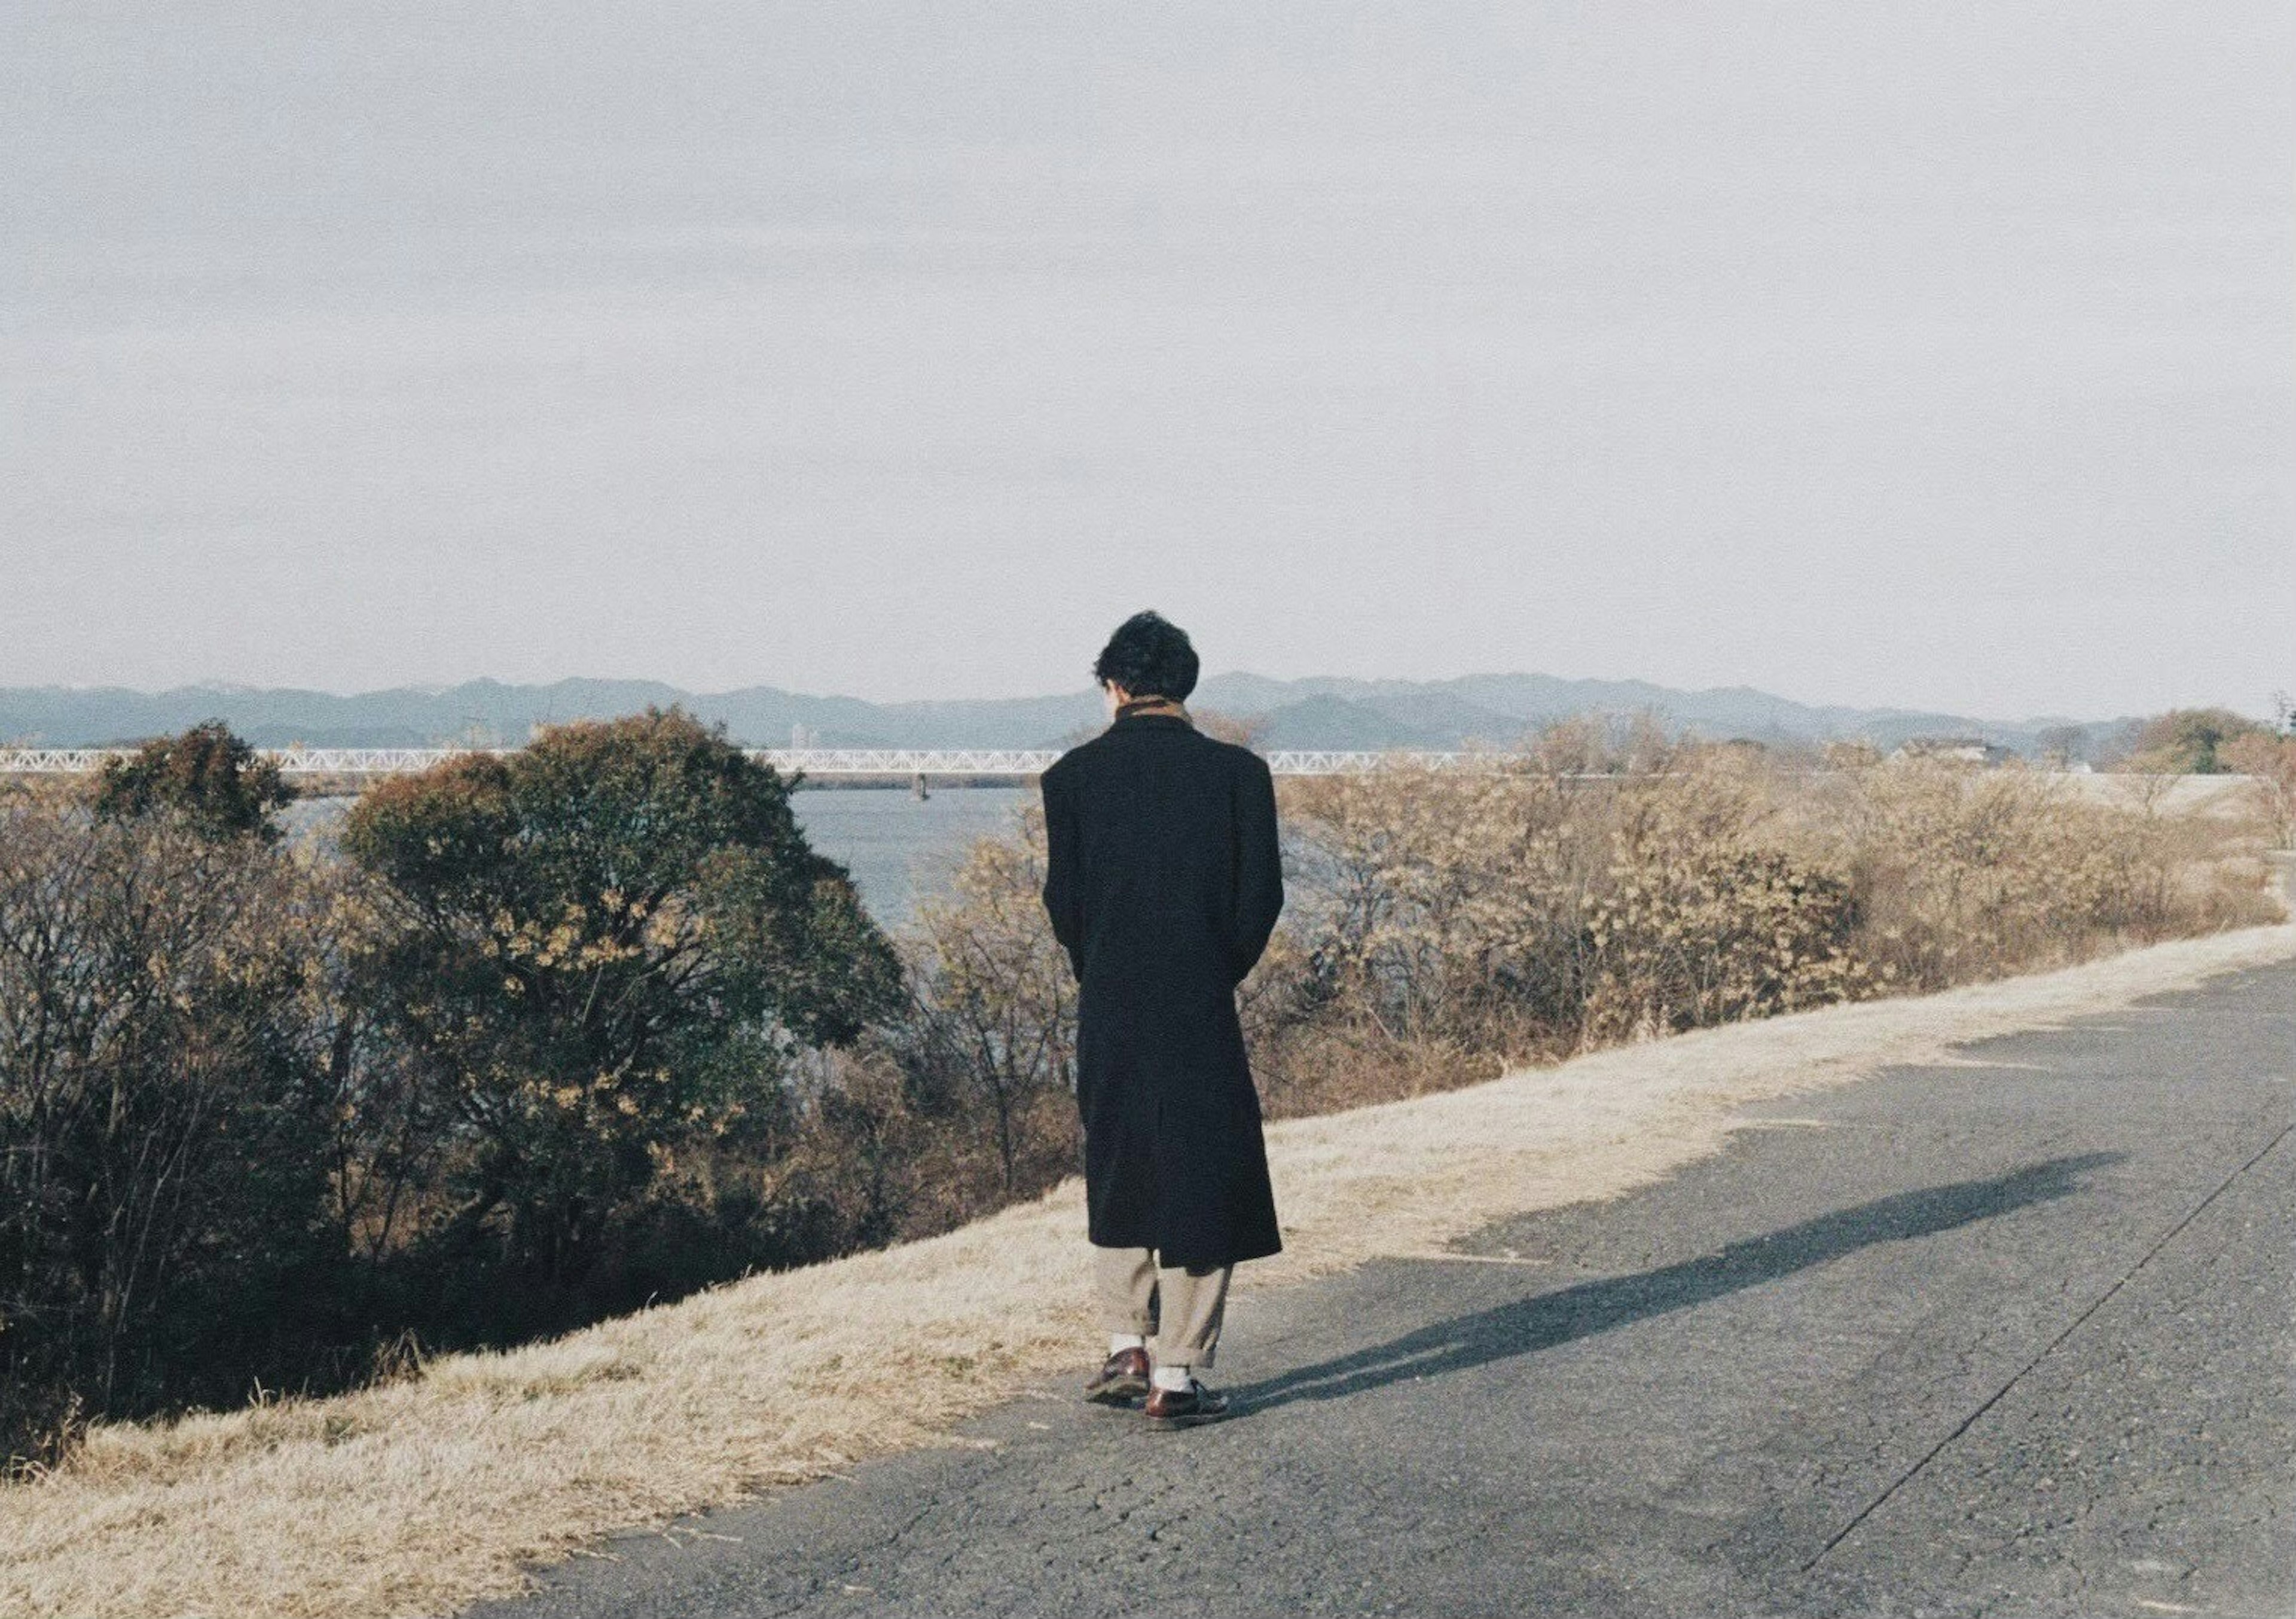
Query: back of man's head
(1148, 656)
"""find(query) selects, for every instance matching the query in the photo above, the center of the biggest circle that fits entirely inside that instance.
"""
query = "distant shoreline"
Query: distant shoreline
(1314, 712)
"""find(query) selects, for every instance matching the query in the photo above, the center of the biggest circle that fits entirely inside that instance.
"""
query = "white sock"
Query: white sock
(1174, 1377)
(1119, 1342)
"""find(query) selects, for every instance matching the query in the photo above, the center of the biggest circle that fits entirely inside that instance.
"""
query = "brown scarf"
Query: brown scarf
(1153, 704)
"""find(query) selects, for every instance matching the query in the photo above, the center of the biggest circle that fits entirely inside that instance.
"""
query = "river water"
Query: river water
(897, 845)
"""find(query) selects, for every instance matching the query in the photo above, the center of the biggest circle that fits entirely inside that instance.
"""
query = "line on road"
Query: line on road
(1842, 1534)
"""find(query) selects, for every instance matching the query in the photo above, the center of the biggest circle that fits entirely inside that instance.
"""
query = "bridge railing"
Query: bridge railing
(325, 771)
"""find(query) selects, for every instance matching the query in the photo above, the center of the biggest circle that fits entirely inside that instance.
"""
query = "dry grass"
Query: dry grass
(420, 1496)
(2213, 797)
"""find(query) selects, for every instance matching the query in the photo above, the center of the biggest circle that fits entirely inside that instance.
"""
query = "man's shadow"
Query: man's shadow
(1578, 1312)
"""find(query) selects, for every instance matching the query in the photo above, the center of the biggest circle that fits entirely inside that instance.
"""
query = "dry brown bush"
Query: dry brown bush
(163, 1113)
(1700, 921)
(1963, 875)
(2269, 763)
(989, 1026)
(1435, 904)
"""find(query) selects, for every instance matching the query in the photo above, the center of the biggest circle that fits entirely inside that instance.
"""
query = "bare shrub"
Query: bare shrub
(1526, 908)
(1699, 922)
(989, 1035)
(2269, 763)
(1433, 904)
(161, 1113)
(1968, 874)
(1443, 921)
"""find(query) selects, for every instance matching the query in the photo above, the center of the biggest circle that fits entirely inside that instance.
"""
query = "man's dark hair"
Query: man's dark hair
(1148, 654)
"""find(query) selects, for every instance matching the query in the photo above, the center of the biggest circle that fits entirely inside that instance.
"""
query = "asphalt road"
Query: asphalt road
(2005, 1340)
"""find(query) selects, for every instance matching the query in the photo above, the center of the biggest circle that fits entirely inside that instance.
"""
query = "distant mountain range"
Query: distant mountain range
(1322, 711)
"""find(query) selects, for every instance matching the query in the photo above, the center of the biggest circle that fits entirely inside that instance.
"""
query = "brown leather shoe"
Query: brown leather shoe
(1185, 1408)
(1122, 1380)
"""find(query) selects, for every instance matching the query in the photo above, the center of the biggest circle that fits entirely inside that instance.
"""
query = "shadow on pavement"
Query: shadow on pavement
(1548, 1319)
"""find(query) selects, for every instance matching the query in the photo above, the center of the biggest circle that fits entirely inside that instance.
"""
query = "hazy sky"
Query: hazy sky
(1936, 355)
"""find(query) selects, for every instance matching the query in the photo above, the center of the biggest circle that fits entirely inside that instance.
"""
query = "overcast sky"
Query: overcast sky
(1933, 354)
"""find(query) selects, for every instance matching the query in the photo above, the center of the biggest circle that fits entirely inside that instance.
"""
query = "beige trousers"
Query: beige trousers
(1177, 1311)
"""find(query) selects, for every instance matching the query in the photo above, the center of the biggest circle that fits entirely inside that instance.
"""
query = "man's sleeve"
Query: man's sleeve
(1063, 897)
(1259, 867)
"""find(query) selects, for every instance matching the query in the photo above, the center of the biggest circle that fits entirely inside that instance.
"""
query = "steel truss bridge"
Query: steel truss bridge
(888, 764)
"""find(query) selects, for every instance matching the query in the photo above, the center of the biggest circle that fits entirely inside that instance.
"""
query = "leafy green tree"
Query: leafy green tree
(211, 776)
(2187, 741)
(610, 947)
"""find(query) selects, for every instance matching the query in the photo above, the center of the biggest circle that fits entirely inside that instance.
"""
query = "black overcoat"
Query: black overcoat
(1163, 881)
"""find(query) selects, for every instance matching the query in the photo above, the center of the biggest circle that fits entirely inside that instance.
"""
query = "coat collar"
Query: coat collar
(1162, 713)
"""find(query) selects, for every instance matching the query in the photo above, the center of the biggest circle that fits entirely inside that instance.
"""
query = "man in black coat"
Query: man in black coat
(1163, 882)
